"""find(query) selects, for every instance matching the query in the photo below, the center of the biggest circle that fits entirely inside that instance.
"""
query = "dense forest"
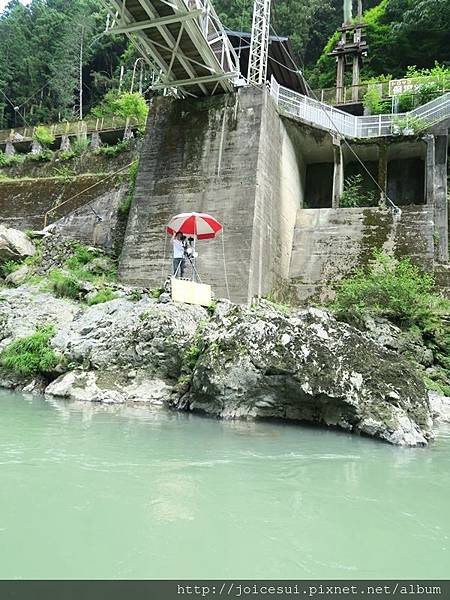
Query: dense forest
(55, 58)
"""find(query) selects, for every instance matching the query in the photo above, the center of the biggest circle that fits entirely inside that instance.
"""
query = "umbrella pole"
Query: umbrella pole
(194, 263)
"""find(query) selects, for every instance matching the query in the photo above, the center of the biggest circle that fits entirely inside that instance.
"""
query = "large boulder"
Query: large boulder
(306, 366)
(125, 334)
(14, 245)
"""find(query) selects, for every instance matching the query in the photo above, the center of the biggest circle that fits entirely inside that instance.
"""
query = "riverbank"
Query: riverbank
(230, 362)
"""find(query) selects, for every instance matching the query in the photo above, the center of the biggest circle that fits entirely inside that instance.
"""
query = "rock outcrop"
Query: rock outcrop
(14, 245)
(258, 362)
(306, 366)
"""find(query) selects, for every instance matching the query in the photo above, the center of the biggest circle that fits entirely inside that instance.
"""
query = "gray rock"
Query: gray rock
(306, 366)
(246, 363)
(23, 309)
(110, 387)
(137, 334)
(165, 298)
(382, 331)
(19, 276)
(14, 245)
(100, 265)
(440, 406)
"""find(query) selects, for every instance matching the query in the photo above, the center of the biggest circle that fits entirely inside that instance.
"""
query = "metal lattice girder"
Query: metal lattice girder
(184, 38)
(259, 47)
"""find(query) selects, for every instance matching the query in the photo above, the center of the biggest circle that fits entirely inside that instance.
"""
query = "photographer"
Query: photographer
(178, 255)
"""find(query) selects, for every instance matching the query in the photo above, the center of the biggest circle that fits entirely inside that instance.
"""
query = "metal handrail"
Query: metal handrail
(70, 128)
(336, 120)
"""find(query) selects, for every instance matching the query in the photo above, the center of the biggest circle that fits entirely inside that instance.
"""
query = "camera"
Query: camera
(188, 247)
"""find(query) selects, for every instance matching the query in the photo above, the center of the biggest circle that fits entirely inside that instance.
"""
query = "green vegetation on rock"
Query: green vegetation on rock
(395, 289)
(105, 295)
(64, 284)
(31, 355)
(125, 205)
(398, 291)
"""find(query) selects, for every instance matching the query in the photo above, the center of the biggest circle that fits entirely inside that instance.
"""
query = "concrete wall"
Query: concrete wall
(223, 156)
(100, 223)
(24, 202)
(330, 243)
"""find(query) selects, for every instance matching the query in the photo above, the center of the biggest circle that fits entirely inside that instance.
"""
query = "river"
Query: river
(115, 492)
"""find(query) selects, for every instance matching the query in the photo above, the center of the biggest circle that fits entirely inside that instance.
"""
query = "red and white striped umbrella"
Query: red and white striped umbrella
(199, 225)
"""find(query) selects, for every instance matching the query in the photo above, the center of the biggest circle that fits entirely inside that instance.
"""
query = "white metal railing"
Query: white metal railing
(335, 120)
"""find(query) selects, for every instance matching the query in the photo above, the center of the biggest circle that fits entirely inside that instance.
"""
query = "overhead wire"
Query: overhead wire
(15, 108)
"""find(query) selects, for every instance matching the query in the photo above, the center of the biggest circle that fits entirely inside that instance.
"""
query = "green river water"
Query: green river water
(105, 492)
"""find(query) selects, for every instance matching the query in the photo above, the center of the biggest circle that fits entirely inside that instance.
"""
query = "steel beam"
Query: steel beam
(187, 82)
(171, 42)
(132, 27)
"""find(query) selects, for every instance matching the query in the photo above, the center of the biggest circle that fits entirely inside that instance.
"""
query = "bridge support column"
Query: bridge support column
(96, 140)
(36, 147)
(338, 175)
(65, 144)
(9, 149)
(437, 154)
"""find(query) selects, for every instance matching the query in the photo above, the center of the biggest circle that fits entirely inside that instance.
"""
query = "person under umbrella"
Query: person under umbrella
(195, 226)
(178, 255)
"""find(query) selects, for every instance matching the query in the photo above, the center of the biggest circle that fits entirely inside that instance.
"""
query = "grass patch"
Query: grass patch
(9, 267)
(64, 285)
(31, 355)
(105, 295)
(9, 160)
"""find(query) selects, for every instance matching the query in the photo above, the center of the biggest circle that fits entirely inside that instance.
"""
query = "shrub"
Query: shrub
(395, 289)
(64, 155)
(79, 146)
(64, 285)
(111, 151)
(44, 156)
(156, 293)
(123, 104)
(105, 295)
(405, 102)
(43, 136)
(8, 160)
(427, 92)
(31, 355)
(372, 101)
(8, 267)
(354, 194)
(410, 123)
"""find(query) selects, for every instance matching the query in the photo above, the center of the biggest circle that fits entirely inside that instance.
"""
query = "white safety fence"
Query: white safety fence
(335, 120)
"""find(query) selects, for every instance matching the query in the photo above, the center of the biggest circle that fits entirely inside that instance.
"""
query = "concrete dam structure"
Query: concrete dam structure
(274, 177)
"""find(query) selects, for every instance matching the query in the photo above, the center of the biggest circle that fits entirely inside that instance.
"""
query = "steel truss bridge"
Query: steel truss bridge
(183, 39)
